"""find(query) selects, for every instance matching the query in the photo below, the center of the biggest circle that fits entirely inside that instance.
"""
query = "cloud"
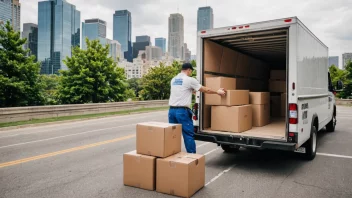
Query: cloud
(329, 19)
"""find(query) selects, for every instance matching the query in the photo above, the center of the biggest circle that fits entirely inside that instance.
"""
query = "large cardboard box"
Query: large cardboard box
(232, 98)
(259, 98)
(181, 174)
(278, 75)
(283, 104)
(216, 83)
(139, 170)
(158, 139)
(206, 116)
(261, 115)
(277, 86)
(235, 119)
(242, 68)
(212, 56)
(228, 61)
(275, 105)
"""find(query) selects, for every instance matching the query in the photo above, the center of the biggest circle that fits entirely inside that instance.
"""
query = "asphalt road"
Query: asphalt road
(84, 159)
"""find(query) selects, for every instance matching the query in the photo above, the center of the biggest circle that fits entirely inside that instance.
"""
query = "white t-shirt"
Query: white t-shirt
(182, 87)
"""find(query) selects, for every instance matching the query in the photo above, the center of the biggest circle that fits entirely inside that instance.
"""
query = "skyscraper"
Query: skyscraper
(153, 53)
(141, 43)
(176, 36)
(10, 10)
(345, 58)
(93, 29)
(58, 31)
(334, 60)
(30, 32)
(205, 19)
(122, 31)
(161, 42)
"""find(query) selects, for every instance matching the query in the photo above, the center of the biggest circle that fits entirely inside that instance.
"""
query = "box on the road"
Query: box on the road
(139, 170)
(261, 114)
(259, 98)
(235, 119)
(158, 139)
(180, 175)
(232, 98)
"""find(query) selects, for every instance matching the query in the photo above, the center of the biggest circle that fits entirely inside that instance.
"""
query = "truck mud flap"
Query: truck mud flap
(279, 146)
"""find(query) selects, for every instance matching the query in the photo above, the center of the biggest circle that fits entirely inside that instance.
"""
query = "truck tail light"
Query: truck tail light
(288, 20)
(293, 113)
(292, 137)
(195, 111)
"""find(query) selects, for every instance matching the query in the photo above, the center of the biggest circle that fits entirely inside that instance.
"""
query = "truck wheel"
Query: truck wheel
(311, 145)
(330, 127)
(230, 148)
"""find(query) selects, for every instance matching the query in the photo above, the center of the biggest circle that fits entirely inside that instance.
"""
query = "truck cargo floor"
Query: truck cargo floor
(275, 130)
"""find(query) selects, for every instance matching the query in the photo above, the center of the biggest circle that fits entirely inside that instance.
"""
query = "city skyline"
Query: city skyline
(122, 32)
(161, 42)
(30, 32)
(176, 36)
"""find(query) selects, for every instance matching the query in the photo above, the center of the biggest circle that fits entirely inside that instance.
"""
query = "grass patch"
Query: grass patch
(75, 117)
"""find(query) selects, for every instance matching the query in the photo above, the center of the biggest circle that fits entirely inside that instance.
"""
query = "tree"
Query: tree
(129, 93)
(156, 83)
(50, 84)
(18, 73)
(135, 85)
(92, 76)
(337, 74)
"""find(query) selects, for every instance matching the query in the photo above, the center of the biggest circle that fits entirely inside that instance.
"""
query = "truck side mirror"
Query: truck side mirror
(339, 85)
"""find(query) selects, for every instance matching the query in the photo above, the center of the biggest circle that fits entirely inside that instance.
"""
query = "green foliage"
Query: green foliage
(345, 76)
(337, 74)
(135, 85)
(129, 94)
(156, 83)
(92, 77)
(50, 85)
(18, 73)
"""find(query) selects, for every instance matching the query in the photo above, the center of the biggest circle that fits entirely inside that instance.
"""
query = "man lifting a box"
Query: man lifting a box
(182, 87)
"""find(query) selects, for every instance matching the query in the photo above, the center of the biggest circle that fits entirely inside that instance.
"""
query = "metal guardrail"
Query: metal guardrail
(343, 101)
(14, 114)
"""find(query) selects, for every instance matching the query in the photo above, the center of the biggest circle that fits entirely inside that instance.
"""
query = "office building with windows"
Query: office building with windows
(10, 10)
(205, 18)
(161, 42)
(58, 31)
(334, 60)
(176, 36)
(93, 29)
(153, 53)
(346, 57)
(122, 31)
(30, 32)
(143, 38)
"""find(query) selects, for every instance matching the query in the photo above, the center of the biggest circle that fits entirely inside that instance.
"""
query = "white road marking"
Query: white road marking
(334, 155)
(12, 145)
(204, 144)
(211, 151)
(219, 175)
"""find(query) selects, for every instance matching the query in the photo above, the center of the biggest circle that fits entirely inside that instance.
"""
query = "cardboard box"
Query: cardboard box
(242, 68)
(235, 119)
(139, 170)
(158, 139)
(212, 56)
(181, 174)
(277, 86)
(261, 115)
(283, 104)
(259, 98)
(275, 105)
(278, 75)
(232, 98)
(206, 116)
(228, 61)
(216, 83)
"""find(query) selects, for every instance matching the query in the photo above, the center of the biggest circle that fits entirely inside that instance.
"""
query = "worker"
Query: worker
(182, 87)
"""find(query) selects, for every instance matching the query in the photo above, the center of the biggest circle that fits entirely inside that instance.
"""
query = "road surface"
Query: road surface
(84, 159)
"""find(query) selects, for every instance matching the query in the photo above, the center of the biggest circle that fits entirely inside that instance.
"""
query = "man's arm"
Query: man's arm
(207, 90)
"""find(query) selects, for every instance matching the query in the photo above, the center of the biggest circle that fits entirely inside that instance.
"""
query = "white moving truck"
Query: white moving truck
(249, 52)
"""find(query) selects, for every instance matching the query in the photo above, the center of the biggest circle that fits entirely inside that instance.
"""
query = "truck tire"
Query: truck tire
(311, 145)
(330, 127)
(230, 148)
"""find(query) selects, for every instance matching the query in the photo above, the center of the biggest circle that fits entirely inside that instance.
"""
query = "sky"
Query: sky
(329, 20)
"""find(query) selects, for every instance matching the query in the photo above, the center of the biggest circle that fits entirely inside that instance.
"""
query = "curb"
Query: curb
(4, 129)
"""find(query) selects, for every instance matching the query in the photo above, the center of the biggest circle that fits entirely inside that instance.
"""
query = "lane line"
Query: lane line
(204, 144)
(64, 136)
(29, 159)
(219, 175)
(334, 155)
(211, 151)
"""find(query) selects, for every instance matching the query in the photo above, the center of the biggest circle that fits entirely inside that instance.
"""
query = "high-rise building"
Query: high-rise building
(10, 10)
(334, 60)
(58, 31)
(122, 32)
(176, 36)
(205, 19)
(30, 32)
(187, 57)
(115, 50)
(153, 53)
(93, 29)
(161, 42)
(143, 38)
(346, 57)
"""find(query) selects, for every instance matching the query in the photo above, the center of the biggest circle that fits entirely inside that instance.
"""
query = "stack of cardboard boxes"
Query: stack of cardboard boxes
(260, 102)
(277, 88)
(231, 113)
(158, 162)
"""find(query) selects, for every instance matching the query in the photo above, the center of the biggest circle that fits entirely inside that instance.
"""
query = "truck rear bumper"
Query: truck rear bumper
(245, 142)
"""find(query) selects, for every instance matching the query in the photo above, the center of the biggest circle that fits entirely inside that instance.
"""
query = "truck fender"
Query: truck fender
(315, 117)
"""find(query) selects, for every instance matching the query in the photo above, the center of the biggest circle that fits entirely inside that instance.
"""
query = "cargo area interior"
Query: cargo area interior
(250, 57)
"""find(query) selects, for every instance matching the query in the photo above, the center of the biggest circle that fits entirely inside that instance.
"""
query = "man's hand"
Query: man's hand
(221, 92)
